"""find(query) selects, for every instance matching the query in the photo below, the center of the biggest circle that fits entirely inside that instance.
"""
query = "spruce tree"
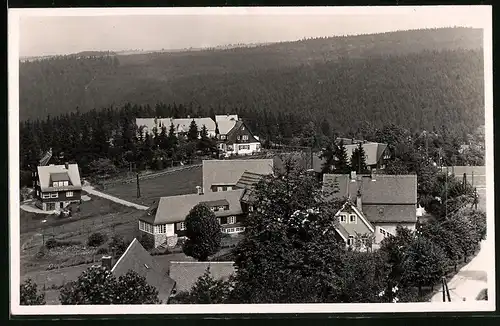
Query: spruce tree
(328, 155)
(193, 131)
(342, 165)
(358, 159)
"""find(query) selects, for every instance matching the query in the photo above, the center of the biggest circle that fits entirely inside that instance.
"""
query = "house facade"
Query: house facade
(165, 222)
(379, 202)
(57, 186)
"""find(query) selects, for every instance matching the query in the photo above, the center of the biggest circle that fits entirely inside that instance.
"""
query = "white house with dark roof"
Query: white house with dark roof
(223, 175)
(165, 220)
(234, 137)
(379, 202)
(57, 186)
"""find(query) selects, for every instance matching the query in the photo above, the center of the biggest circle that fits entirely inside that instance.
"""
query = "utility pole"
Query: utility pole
(443, 280)
(447, 290)
(475, 198)
(138, 186)
(465, 181)
(446, 194)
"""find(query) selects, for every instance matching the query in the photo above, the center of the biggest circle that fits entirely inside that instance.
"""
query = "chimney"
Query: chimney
(106, 262)
(359, 205)
(199, 190)
(66, 165)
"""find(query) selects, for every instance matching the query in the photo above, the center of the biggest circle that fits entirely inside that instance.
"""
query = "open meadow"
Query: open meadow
(96, 215)
(177, 183)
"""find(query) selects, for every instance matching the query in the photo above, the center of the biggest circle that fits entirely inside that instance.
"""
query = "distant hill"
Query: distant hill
(420, 78)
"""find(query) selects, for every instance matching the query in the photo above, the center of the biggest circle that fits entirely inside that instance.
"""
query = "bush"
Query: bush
(147, 241)
(117, 245)
(51, 243)
(102, 251)
(96, 239)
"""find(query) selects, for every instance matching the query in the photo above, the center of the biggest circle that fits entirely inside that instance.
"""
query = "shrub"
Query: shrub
(102, 251)
(147, 241)
(117, 245)
(96, 239)
(51, 243)
(29, 294)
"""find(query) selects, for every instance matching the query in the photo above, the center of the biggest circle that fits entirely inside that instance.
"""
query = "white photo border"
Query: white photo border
(14, 200)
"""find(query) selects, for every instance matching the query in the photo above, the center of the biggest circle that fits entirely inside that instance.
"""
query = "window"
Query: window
(221, 208)
(213, 209)
(352, 218)
(242, 147)
(245, 137)
(218, 220)
(231, 220)
(343, 218)
(243, 128)
(69, 193)
(229, 188)
(226, 208)
(182, 226)
(66, 183)
(350, 241)
(222, 136)
(55, 184)
(54, 195)
(162, 228)
(230, 230)
(258, 146)
(224, 188)
(240, 229)
(46, 196)
(219, 189)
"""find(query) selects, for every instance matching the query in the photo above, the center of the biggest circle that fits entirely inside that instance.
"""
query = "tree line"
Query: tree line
(290, 254)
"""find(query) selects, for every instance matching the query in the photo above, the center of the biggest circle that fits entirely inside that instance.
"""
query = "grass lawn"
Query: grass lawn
(176, 183)
(96, 215)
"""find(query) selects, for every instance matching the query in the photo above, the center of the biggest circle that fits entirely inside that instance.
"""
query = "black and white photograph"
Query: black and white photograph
(251, 160)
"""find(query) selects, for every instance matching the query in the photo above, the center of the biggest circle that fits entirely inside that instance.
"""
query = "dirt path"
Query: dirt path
(89, 189)
(470, 280)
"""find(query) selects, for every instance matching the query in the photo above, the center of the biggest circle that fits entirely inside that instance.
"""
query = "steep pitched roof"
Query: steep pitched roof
(226, 117)
(384, 198)
(136, 258)
(381, 189)
(186, 274)
(232, 135)
(228, 172)
(362, 225)
(225, 122)
(175, 208)
(49, 172)
(391, 213)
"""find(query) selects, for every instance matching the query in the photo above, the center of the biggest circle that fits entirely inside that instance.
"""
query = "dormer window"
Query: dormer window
(352, 218)
(245, 137)
(343, 218)
(350, 241)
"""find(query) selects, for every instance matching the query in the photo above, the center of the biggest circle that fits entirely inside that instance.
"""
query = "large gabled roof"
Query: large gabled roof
(49, 173)
(229, 172)
(137, 259)
(174, 209)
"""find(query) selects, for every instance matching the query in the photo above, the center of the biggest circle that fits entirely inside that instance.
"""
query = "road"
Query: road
(470, 279)
(89, 189)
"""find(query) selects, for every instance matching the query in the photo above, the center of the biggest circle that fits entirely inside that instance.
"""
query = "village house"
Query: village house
(375, 204)
(137, 259)
(185, 274)
(234, 137)
(165, 220)
(223, 175)
(181, 126)
(57, 186)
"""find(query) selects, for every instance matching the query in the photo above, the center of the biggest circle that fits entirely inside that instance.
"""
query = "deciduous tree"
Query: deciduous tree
(203, 233)
(29, 295)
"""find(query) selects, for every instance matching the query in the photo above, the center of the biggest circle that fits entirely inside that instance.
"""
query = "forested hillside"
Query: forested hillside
(418, 79)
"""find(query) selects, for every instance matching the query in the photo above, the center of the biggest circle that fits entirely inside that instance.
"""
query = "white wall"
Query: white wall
(170, 230)
(253, 148)
(390, 227)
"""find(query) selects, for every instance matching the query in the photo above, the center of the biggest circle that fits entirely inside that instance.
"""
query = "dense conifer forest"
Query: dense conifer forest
(286, 92)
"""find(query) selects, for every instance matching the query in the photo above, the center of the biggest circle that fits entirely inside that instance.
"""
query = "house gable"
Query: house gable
(240, 134)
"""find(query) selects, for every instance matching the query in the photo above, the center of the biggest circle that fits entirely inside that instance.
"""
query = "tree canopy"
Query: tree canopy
(203, 233)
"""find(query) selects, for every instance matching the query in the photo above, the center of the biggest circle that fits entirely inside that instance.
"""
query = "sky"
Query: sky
(50, 32)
